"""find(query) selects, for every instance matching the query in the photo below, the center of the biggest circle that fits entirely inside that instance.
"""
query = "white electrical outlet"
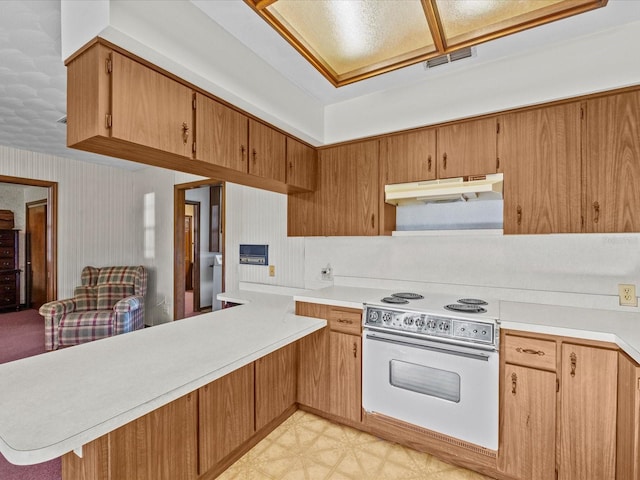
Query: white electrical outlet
(326, 273)
(627, 294)
(272, 270)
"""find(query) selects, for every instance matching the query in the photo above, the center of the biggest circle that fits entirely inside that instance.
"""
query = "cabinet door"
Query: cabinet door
(313, 370)
(267, 151)
(612, 164)
(588, 413)
(162, 445)
(528, 423)
(149, 108)
(410, 157)
(540, 155)
(302, 165)
(276, 375)
(345, 372)
(222, 134)
(226, 415)
(628, 436)
(467, 148)
(349, 189)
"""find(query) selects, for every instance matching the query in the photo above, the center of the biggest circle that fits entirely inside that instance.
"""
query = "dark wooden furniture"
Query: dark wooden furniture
(9, 271)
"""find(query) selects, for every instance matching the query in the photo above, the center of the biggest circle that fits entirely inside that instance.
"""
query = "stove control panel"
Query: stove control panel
(430, 325)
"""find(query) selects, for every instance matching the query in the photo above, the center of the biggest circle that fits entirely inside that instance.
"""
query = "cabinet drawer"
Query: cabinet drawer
(7, 240)
(532, 352)
(8, 290)
(6, 252)
(9, 278)
(6, 263)
(7, 299)
(347, 321)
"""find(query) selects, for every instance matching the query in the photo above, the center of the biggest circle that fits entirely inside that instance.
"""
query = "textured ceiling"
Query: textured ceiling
(33, 81)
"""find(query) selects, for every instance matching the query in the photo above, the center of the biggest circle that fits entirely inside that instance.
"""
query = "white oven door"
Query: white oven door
(445, 388)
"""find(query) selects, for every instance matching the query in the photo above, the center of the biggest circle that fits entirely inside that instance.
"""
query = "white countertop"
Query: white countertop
(53, 403)
(621, 328)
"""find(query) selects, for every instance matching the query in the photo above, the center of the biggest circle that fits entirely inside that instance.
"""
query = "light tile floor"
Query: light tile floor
(307, 447)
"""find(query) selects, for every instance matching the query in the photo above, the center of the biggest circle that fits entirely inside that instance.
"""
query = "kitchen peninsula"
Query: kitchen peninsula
(58, 402)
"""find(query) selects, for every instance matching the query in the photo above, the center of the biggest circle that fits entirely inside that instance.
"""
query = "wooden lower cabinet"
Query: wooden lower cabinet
(560, 415)
(226, 416)
(628, 434)
(528, 427)
(588, 408)
(161, 445)
(275, 384)
(330, 363)
(345, 374)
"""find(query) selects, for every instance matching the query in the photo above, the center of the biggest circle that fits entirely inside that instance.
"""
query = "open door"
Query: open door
(36, 254)
(198, 216)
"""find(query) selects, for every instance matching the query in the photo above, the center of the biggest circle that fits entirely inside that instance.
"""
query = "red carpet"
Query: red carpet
(22, 335)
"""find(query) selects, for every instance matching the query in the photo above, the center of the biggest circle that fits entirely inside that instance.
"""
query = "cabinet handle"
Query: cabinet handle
(574, 360)
(530, 351)
(514, 383)
(373, 220)
(596, 212)
(342, 320)
(444, 161)
(290, 165)
(254, 154)
(355, 350)
(519, 214)
(185, 132)
(243, 150)
(429, 163)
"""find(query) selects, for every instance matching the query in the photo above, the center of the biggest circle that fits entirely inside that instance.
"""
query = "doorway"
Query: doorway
(36, 254)
(198, 246)
(39, 206)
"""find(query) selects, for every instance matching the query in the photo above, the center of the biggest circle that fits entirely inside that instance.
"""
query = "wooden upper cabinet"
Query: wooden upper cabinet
(150, 109)
(468, 148)
(349, 189)
(410, 157)
(540, 155)
(222, 134)
(612, 164)
(588, 416)
(267, 152)
(302, 165)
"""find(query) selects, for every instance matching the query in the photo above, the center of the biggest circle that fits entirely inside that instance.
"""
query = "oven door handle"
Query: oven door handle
(449, 351)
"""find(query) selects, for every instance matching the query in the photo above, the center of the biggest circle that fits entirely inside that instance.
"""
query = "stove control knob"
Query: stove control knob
(462, 329)
(475, 330)
(419, 322)
(408, 321)
(484, 332)
(446, 326)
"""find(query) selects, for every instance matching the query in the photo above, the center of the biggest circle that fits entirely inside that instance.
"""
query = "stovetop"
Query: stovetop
(435, 316)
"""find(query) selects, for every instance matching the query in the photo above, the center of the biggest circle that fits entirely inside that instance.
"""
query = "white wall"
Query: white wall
(517, 267)
(256, 216)
(580, 66)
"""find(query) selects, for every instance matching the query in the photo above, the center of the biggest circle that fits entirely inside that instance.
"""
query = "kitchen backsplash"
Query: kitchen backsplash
(569, 269)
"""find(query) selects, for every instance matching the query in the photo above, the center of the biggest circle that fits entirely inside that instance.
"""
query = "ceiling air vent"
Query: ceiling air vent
(451, 57)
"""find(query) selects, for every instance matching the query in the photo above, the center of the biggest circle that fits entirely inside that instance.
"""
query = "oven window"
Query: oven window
(426, 380)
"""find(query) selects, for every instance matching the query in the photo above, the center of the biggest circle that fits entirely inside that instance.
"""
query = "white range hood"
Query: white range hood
(486, 187)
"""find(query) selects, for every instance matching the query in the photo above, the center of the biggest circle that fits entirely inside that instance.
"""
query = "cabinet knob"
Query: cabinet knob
(596, 212)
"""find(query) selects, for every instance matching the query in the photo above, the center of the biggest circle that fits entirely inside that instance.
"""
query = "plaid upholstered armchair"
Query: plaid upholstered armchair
(109, 302)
